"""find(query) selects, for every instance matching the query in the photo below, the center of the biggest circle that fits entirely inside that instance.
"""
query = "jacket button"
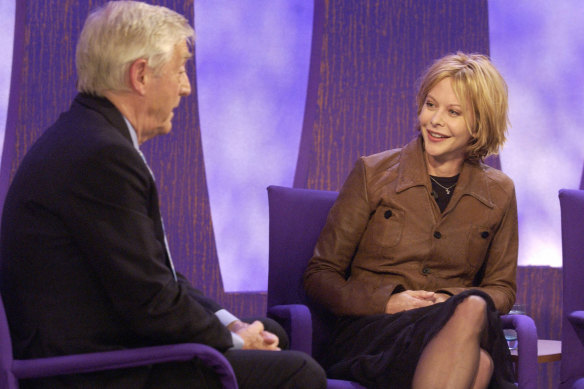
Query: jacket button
(485, 234)
(437, 234)
(426, 270)
(387, 214)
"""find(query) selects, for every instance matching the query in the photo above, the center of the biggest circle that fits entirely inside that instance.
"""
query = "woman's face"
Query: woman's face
(444, 129)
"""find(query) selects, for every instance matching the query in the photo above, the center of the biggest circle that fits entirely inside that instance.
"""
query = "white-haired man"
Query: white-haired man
(85, 264)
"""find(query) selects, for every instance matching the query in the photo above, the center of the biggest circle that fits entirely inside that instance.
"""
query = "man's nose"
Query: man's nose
(185, 86)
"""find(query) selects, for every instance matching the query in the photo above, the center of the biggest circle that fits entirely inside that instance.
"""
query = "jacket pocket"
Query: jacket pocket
(478, 242)
(384, 230)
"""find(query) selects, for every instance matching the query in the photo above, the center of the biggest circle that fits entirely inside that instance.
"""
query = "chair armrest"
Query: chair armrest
(526, 348)
(576, 318)
(297, 321)
(109, 360)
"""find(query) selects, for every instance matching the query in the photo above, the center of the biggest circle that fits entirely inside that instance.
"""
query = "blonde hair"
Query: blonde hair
(120, 32)
(478, 83)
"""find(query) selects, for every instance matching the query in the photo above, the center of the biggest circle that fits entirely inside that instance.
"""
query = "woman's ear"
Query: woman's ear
(139, 75)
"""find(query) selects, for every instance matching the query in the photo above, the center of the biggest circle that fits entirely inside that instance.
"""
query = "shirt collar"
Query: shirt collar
(413, 172)
(133, 134)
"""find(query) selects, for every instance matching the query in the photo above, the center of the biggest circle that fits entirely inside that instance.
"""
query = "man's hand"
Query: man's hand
(412, 299)
(254, 336)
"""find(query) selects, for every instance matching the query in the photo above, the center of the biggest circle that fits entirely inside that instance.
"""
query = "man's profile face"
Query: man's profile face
(164, 92)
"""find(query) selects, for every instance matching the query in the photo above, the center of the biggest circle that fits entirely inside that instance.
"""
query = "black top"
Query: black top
(442, 189)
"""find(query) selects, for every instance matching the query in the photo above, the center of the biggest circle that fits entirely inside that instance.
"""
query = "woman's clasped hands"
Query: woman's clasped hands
(412, 299)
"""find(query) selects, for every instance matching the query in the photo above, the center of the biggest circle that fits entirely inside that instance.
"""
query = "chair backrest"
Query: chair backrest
(7, 379)
(297, 217)
(572, 217)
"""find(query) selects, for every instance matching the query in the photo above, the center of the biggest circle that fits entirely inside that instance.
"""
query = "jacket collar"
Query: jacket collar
(109, 111)
(412, 172)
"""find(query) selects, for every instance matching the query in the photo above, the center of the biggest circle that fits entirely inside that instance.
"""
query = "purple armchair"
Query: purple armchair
(296, 218)
(572, 215)
(12, 370)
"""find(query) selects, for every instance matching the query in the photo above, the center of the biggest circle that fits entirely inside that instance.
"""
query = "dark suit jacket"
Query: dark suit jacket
(83, 261)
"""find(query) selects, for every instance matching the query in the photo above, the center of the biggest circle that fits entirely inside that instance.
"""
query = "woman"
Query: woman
(419, 252)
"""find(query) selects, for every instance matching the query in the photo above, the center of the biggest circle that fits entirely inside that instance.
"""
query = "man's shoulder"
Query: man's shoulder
(78, 138)
(85, 126)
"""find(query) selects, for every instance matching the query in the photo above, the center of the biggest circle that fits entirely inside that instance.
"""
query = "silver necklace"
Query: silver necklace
(442, 186)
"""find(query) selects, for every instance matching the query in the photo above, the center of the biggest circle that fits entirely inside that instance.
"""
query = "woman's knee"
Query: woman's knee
(472, 310)
(473, 306)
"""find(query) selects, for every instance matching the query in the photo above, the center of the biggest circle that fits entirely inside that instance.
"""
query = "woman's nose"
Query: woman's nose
(437, 119)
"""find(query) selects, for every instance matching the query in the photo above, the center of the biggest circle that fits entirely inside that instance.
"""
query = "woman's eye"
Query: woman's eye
(454, 113)
(429, 104)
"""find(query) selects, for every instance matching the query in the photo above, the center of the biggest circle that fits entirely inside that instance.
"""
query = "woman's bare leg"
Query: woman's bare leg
(453, 359)
(485, 371)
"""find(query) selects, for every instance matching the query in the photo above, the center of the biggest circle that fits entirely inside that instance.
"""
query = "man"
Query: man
(85, 264)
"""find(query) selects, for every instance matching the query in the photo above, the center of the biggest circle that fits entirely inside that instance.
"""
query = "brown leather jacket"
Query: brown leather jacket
(385, 234)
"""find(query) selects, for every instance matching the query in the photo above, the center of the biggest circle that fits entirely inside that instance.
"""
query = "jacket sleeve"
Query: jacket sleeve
(112, 219)
(327, 279)
(500, 266)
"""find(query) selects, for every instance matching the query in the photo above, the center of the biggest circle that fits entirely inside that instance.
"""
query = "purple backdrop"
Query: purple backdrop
(247, 125)
(254, 107)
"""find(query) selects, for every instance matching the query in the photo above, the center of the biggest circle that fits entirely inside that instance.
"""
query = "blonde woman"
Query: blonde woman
(419, 253)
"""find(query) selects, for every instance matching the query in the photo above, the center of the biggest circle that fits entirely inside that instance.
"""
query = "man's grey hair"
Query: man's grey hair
(120, 32)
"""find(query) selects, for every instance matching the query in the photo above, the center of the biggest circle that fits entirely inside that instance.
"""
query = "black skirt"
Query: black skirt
(382, 351)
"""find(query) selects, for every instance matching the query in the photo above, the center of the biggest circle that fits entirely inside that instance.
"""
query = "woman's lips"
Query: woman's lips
(436, 136)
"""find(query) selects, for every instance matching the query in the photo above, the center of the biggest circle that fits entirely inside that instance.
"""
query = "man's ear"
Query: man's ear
(139, 75)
